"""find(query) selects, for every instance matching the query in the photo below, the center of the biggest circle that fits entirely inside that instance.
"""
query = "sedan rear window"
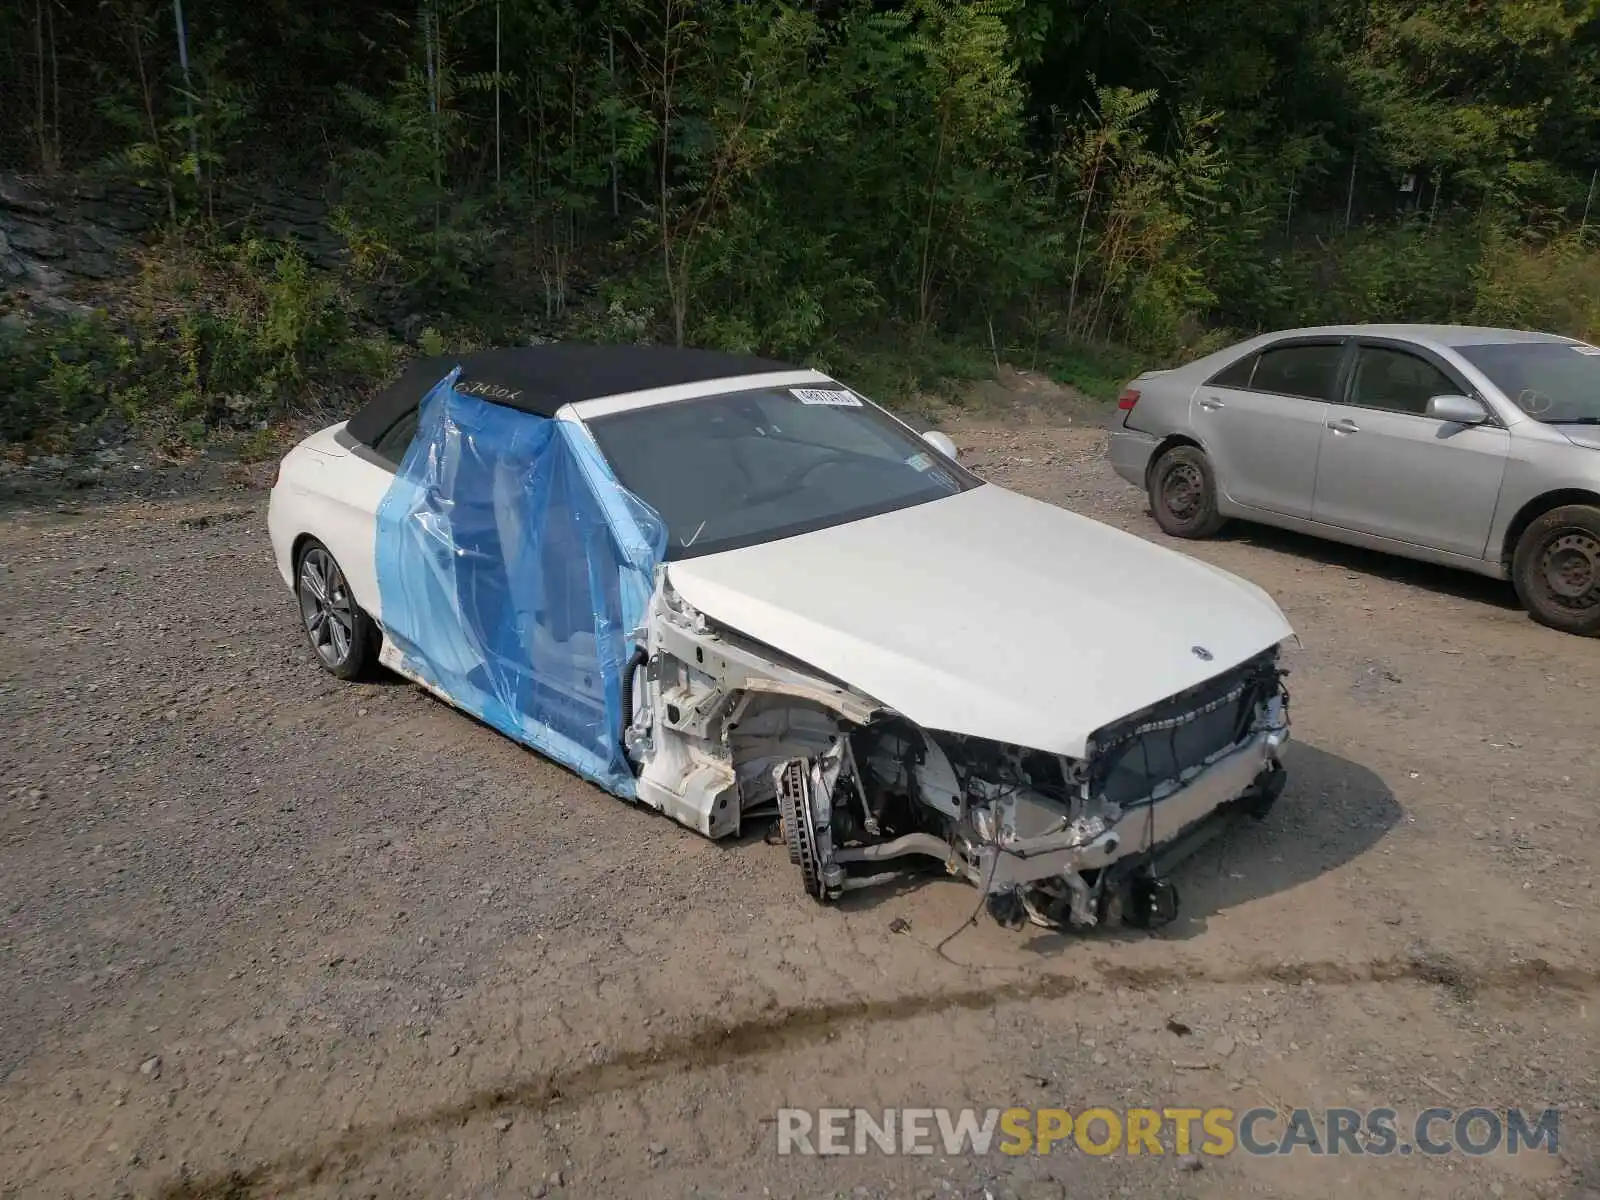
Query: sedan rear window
(1554, 382)
(750, 467)
(1308, 371)
(1237, 375)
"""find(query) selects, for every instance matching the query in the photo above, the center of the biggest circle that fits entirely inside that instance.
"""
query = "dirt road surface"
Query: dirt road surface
(266, 934)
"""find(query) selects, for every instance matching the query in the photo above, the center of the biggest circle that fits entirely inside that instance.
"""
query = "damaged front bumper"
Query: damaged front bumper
(1060, 842)
(1121, 874)
(726, 730)
(1158, 786)
(1247, 772)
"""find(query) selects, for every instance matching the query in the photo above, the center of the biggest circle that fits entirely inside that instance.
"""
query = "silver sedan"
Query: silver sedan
(1474, 448)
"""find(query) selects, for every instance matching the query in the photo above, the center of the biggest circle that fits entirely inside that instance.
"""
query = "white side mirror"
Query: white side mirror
(941, 442)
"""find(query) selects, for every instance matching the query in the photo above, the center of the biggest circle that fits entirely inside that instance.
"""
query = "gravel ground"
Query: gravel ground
(265, 933)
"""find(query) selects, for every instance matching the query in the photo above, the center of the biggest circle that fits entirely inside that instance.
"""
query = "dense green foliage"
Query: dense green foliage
(821, 178)
(226, 336)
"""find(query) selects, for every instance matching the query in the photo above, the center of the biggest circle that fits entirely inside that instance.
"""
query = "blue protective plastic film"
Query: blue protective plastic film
(513, 571)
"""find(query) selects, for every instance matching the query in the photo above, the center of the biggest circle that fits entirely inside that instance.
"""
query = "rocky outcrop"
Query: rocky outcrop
(59, 239)
(285, 216)
(56, 242)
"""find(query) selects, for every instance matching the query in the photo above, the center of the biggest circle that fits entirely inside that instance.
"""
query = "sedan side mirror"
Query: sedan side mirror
(1458, 410)
(941, 442)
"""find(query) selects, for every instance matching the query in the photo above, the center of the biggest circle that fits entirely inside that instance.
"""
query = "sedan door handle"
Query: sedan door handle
(1211, 404)
(1344, 425)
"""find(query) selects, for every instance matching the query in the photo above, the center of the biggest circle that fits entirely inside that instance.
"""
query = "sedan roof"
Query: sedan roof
(542, 379)
(1442, 335)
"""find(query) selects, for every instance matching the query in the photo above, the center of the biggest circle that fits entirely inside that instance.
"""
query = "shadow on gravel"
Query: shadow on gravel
(1332, 811)
(1463, 585)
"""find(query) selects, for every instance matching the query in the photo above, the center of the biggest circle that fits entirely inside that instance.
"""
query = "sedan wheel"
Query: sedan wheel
(1556, 569)
(1183, 493)
(342, 636)
(1572, 569)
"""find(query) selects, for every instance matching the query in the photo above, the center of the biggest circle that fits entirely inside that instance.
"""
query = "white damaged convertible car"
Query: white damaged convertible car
(732, 590)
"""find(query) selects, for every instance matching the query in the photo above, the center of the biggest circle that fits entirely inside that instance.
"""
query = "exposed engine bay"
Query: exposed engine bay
(726, 731)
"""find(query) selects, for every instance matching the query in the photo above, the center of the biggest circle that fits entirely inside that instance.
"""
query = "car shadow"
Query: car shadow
(1464, 585)
(1331, 812)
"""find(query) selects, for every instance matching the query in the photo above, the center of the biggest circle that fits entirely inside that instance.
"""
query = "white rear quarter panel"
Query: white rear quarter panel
(333, 495)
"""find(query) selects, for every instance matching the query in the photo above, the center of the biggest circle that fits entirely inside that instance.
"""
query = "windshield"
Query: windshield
(1554, 382)
(749, 467)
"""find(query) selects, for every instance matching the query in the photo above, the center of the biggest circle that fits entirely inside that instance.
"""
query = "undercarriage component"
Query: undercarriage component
(791, 811)
(902, 847)
(1066, 901)
(794, 817)
(809, 849)
(818, 800)
(1050, 859)
(1008, 909)
(1154, 902)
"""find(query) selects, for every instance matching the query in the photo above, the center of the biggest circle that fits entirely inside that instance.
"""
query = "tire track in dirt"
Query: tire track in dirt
(721, 1044)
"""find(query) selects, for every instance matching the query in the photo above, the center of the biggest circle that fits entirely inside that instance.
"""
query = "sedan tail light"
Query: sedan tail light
(1127, 400)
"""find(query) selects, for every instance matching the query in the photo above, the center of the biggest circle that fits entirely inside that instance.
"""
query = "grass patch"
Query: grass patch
(897, 371)
(1099, 372)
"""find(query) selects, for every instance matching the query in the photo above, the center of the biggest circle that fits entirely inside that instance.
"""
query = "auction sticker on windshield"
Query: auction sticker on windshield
(827, 396)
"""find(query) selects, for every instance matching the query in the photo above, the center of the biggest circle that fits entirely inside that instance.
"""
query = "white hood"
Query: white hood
(990, 614)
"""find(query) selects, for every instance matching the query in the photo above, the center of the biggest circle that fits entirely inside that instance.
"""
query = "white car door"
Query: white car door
(1388, 469)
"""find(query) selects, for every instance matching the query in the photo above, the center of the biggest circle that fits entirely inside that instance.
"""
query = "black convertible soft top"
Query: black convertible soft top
(540, 379)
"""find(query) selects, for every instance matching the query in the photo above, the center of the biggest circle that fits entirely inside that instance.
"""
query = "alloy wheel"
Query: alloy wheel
(326, 606)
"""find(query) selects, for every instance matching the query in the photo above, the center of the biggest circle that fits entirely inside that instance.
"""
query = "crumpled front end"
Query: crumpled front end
(727, 730)
(1149, 792)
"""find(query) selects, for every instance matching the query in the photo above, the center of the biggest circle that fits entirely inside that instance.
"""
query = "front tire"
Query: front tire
(1556, 569)
(1183, 494)
(343, 638)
